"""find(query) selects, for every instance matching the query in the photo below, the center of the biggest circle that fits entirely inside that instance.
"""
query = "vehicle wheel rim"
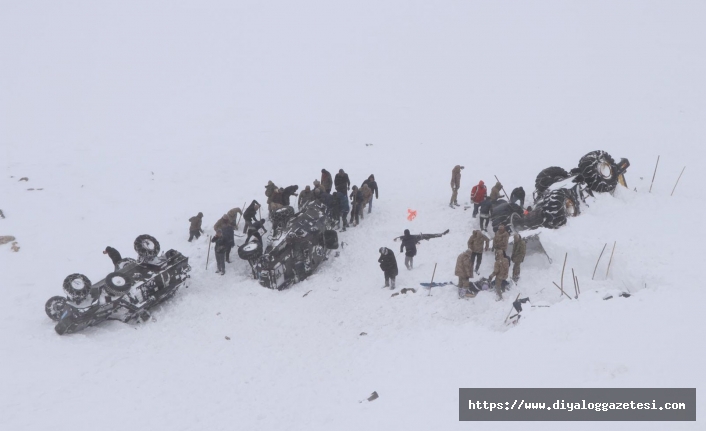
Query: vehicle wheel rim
(78, 284)
(605, 170)
(250, 247)
(149, 245)
(118, 281)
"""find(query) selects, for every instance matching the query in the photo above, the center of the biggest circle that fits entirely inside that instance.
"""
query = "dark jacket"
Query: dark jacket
(326, 179)
(256, 225)
(342, 182)
(357, 197)
(250, 212)
(410, 242)
(221, 244)
(388, 262)
(372, 185)
(228, 234)
(288, 191)
(518, 194)
(196, 223)
(113, 254)
(485, 206)
(343, 205)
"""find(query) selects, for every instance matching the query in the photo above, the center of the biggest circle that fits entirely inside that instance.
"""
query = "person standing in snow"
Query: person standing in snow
(367, 197)
(495, 192)
(195, 230)
(269, 189)
(501, 240)
(500, 272)
(518, 195)
(464, 269)
(519, 249)
(370, 182)
(249, 214)
(484, 209)
(305, 197)
(477, 243)
(342, 182)
(229, 237)
(326, 180)
(114, 255)
(455, 185)
(478, 194)
(356, 203)
(287, 192)
(388, 264)
(276, 200)
(410, 243)
(220, 250)
(343, 207)
(233, 216)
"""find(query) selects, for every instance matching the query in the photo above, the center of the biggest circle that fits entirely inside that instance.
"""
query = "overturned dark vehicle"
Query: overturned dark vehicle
(299, 243)
(125, 294)
(559, 194)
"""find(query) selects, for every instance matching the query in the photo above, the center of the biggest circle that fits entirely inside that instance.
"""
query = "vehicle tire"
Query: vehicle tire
(117, 284)
(122, 263)
(501, 213)
(557, 206)
(77, 287)
(331, 239)
(250, 250)
(54, 307)
(146, 246)
(548, 177)
(599, 171)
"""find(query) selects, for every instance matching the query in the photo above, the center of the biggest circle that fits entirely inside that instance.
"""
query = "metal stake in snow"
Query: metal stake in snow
(611, 259)
(562, 273)
(241, 216)
(209, 250)
(507, 196)
(432, 279)
(675, 185)
(653, 175)
(576, 289)
(599, 259)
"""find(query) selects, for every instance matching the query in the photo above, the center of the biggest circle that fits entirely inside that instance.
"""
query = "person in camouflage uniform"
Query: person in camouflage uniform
(195, 230)
(367, 196)
(501, 240)
(476, 244)
(233, 216)
(464, 269)
(305, 197)
(495, 191)
(519, 249)
(276, 200)
(269, 189)
(500, 272)
(455, 185)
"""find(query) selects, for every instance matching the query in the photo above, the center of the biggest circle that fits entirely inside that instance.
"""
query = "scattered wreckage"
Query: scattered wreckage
(126, 294)
(299, 243)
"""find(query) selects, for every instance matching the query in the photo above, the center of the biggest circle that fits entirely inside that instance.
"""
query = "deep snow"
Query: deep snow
(134, 117)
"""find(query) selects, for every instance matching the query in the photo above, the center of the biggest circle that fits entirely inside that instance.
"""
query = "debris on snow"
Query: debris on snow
(227, 338)
(6, 239)
(23, 179)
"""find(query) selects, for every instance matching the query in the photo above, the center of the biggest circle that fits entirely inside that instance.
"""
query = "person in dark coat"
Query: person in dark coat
(343, 208)
(518, 194)
(388, 264)
(356, 203)
(229, 237)
(410, 243)
(195, 230)
(287, 192)
(374, 188)
(254, 230)
(249, 214)
(114, 255)
(485, 208)
(326, 180)
(220, 250)
(342, 182)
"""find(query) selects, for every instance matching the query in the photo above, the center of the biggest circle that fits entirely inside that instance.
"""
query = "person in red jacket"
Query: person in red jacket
(477, 195)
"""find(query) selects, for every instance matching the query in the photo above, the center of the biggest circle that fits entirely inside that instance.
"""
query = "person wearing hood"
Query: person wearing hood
(388, 264)
(195, 230)
(287, 192)
(225, 227)
(478, 194)
(519, 249)
(342, 182)
(326, 180)
(455, 185)
(501, 240)
(518, 195)
(276, 200)
(319, 186)
(269, 190)
(477, 243)
(249, 214)
(410, 243)
(370, 182)
(495, 191)
(220, 250)
(114, 256)
(233, 216)
(305, 197)
(464, 271)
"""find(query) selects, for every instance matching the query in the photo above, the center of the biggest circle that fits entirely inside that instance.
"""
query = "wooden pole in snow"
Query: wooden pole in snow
(599, 259)
(562, 290)
(653, 175)
(432, 279)
(562, 273)
(611, 259)
(209, 251)
(507, 196)
(675, 185)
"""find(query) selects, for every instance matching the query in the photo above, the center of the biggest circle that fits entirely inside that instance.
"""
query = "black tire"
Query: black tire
(54, 307)
(331, 239)
(77, 287)
(557, 207)
(599, 171)
(548, 177)
(250, 250)
(501, 213)
(122, 263)
(146, 246)
(117, 284)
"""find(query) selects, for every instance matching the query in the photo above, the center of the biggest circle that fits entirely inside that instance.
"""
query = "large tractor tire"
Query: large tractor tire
(77, 287)
(557, 207)
(599, 171)
(117, 284)
(146, 246)
(548, 177)
(54, 307)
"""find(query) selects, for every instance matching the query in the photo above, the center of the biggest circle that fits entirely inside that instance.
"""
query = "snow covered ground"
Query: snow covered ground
(134, 116)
